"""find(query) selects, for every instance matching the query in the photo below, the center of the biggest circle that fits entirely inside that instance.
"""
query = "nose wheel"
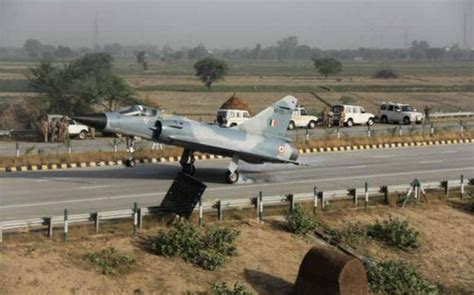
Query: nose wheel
(130, 162)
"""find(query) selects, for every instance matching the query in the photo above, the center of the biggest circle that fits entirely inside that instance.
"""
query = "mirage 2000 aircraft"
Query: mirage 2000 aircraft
(258, 140)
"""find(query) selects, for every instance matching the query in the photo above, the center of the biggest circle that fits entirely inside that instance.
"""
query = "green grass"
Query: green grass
(14, 86)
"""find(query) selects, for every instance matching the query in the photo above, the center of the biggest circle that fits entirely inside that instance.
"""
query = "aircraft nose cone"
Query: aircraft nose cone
(98, 121)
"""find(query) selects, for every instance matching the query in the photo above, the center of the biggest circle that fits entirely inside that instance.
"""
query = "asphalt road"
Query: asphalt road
(45, 193)
(8, 148)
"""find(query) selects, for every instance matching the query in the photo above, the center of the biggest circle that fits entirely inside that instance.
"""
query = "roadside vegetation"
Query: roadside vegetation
(110, 261)
(300, 223)
(395, 233)
(224, 289)
(207, 249)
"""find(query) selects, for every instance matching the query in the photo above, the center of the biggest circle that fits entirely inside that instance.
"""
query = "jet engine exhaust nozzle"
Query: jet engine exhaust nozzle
(98, 121)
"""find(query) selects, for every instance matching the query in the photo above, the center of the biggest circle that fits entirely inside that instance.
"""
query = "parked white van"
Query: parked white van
(231, 118)
(301, 118)
(352, 115)
(393, 112)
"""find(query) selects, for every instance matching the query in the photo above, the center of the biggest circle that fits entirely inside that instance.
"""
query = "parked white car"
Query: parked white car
(231, 118)
(301, 118)
(392, 112)
(352, 115)
(75, 129)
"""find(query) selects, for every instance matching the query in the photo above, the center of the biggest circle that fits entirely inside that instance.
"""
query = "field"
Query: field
(267, 262)
(443, 86)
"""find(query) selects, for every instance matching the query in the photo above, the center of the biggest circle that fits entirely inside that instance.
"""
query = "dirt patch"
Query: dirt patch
(267, 263)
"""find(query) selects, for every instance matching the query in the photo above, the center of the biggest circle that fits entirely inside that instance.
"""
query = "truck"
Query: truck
(301, 118)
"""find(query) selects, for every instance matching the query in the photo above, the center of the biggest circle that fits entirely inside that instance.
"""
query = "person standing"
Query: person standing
(44, 127)
(342, 118)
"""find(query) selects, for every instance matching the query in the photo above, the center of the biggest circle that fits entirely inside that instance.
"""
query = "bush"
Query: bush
(397, 277)
(351, 234)
(385, 74)
(224, 289)
(394, 233)
(207, 250)
(111, 261)
(298, 222)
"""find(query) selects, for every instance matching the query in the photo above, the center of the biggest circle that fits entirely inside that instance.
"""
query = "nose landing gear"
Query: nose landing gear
(232, 176)
(130, 141)
(187, 162)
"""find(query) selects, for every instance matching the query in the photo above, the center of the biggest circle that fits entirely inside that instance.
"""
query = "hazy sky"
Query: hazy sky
(233, 24)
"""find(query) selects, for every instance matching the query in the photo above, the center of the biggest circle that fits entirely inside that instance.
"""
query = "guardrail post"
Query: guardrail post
(461, 127)
(291, 199)
(219, 210)
(200, 212)
(323, 202)
(462, 186)
(315, 200)
(49, 221)
(140, 218)
(432, 130)
(17, 149)
(135, 218)
(114, 143)
(66, 225)
(384, 191)
(307, 133)
(353, 193)
(366, 187)
(445, 185)
(260, 206)
(338, 132)
(69, 149)
(369, 131)
(97, 222)
(1, 234)
(400, 131)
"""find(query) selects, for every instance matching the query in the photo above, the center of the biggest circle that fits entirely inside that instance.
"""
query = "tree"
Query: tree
(327, 66)
(141, 59)
(210, 69)
(64, 52)
(77, 87)
(33, 47)
(286, 47)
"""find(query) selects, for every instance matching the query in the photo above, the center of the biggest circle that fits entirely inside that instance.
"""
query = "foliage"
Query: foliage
(397, 277)
(111, 261)
(78, 86)
(33, 47)
(207, 250)
(347, 99)
(352, 233)
(394, 233)
(224, 289)
(298, 222)
(327, 66)
(385, 74)
(210, 70)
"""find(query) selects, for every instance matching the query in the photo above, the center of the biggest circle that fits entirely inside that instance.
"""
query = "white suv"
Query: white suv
(301, 118)
(231, 118)
(352, 115)
(392, 112)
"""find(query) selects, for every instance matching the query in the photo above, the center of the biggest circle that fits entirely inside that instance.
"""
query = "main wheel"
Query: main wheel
(130, 163)
(370, 122)
(350, 123)
(406, 121)
(312, 125)
(232, 177)
(291, 126)
(189, 169)
(384, 119)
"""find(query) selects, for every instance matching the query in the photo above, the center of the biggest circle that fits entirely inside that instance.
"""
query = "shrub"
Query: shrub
(224, 289)
(394, 233)
(298, 222)
(397, 277)
(385, 74)
(207, 250)
(352, 233)
(111, 261)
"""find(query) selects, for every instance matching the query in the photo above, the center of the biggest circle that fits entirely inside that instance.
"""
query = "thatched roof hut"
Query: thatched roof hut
(235, 103)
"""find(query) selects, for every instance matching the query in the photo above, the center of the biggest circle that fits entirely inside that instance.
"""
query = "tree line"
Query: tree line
(285, 49)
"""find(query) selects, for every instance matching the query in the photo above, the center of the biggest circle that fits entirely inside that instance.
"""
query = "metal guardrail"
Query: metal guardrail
(451, 114)
(221, 205)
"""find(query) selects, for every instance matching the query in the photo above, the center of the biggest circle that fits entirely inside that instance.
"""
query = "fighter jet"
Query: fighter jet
(258, 140)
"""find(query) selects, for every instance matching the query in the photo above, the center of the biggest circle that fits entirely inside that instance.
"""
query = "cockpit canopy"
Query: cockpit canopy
(139, 110)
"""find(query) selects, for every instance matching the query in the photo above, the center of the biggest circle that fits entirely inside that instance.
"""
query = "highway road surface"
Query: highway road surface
(46, 193)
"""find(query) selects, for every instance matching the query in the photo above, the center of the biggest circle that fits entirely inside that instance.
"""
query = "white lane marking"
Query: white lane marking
(383, 156)
(430, 162)
(240, 187)
(449, 152)
(94, 186)
(357, 167)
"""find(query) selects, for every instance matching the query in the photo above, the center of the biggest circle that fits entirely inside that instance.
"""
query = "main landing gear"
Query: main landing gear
(187, 162)
(130, 141)
(232, 176)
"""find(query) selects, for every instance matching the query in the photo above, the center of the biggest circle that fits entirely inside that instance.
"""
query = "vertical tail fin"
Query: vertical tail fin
(273, 120)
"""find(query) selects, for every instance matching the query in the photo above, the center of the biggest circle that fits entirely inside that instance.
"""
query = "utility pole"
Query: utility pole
(96, 32)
